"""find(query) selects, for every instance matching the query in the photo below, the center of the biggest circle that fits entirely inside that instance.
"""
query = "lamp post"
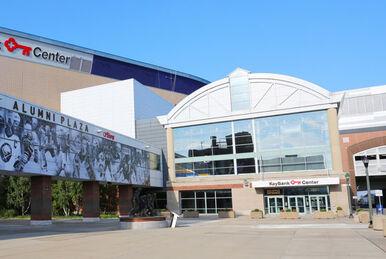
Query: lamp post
(349, 194)
(365, 161)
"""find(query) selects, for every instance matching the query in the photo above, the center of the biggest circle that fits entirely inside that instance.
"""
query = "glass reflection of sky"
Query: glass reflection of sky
(302, 134)
(199, 137)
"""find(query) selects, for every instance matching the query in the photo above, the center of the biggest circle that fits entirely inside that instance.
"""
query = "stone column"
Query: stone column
(333, 129)
(91, 201)
(170, 149)
(125, 196)
(41, 200)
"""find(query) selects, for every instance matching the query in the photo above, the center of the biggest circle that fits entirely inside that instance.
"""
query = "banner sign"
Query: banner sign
(275, 191)
(296, 182)
(43, 53)
(35, 140)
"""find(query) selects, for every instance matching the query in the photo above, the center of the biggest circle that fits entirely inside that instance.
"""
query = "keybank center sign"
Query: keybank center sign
(296, 182)
(39, 52)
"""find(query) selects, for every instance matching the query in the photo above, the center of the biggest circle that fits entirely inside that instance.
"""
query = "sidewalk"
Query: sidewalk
(204, 237)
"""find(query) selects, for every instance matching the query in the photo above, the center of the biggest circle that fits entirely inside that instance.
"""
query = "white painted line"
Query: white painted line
(289, 226)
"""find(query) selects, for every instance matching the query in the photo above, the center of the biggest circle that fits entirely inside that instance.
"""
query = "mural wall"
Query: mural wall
(33, 145)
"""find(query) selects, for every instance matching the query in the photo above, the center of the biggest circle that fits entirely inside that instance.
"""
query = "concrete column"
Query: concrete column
(246, 199)
(333, 129)
(173, 200)
(41, 200)
(338, 197)
(125, 196)
(91, 201)
(170, 147)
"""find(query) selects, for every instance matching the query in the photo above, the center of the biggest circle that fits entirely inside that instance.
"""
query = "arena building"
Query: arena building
(38, 70)
(362, 128)
(249, 141)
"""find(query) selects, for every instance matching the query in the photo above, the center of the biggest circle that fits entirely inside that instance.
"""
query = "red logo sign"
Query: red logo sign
(293, 182)
(11, 45)
(108, 135)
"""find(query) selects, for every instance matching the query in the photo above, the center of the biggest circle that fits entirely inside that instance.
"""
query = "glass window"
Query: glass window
(267, 133)
(243, 136)
(223, 167)
(239, 93)
(207, 201)
(203, 140)
(187, 194)
(289, 142)
(246, 166)
(293, 163)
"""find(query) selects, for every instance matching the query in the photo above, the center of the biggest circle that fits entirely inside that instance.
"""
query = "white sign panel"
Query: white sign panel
(43, 53)
(296, 182)
(378, 193)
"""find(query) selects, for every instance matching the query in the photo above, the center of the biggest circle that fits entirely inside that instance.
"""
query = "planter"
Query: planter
(378, 222)
(356, 218)
(384, 227)
(226, 214)
(364, 217)
(190, 214)
(289, 215)
(256, 214)
(165, 214)
(340, 213)
(324, 215)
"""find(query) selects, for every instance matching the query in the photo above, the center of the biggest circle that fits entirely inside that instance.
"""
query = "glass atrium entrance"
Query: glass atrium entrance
(302, 200)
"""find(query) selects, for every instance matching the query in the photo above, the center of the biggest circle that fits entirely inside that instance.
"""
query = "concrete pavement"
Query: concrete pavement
(202, 238)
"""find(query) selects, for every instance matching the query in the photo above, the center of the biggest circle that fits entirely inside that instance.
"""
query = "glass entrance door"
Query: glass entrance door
(318, 202)
(275, 204)
(297, 203)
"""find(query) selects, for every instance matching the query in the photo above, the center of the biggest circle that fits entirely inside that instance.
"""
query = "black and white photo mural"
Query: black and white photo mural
(37, 141)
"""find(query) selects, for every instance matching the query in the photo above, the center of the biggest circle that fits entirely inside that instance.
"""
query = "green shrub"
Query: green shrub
(288, 210)
(225, 210)
(256, 210)
(359, 210)
(4, 213)
(339, 208)
(323, 210)
(109, 216)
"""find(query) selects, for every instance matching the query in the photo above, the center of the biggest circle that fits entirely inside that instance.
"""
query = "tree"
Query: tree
(4, 182)
(108, 198)
(66, 197)
(61, 203)
(76, 193)
(18, 196)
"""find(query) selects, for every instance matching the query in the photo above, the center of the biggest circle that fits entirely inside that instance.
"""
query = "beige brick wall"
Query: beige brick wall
(246, 199)
(42, 84)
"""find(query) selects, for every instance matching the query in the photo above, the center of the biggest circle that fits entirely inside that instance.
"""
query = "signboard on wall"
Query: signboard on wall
(34, 51)
(35, 140)
(274, 191)
(296, 182)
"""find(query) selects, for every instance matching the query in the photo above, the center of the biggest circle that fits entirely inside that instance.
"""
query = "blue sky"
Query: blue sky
(335, 44)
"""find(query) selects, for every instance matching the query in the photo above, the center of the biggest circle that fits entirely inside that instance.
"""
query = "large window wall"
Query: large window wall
(206, 202)
(293, 142)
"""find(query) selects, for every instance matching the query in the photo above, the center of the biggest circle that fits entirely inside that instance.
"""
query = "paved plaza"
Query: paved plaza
(194, 238)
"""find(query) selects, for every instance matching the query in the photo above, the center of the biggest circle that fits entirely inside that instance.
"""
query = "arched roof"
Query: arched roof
(269, 94)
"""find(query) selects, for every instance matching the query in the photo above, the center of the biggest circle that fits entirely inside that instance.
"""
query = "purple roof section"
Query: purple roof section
(116, 69)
